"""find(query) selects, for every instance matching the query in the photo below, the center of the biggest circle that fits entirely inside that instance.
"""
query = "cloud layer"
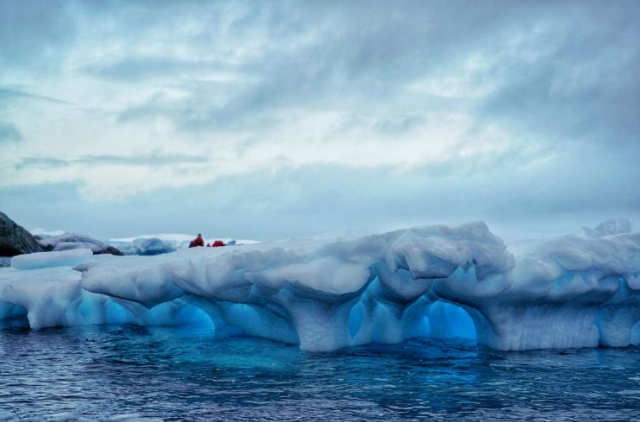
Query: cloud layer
(295, 118)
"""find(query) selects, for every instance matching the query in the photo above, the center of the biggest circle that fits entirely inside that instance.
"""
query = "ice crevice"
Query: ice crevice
(430, 281)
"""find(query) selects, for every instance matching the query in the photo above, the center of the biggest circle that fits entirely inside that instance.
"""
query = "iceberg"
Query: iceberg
(609, 227)
(70, 241)
(437, 281)
(146, 246)
(39, 260)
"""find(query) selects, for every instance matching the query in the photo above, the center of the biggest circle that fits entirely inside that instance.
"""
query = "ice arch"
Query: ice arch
(570, 291)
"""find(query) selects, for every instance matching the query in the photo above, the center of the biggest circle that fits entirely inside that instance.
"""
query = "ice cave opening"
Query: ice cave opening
(13, 316)
(380, 322)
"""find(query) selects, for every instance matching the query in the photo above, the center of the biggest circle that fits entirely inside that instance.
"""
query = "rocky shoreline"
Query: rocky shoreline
(16, 240)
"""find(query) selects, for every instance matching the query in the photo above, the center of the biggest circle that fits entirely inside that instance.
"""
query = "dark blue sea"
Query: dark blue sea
(188, 374)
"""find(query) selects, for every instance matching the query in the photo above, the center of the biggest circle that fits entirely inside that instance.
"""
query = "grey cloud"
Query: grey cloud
(29, 162)
(34, 35)
(139, 68)
(561, 75)
(198, 111)
(9, 132)
(315, 199)
(360, 59)
(154, 158)
(573, 81)
(46, 192)
(399, 124)
(391, 124)
(9, 94)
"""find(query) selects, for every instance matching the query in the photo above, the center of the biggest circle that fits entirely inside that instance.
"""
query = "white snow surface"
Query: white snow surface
(41, 260)
(441, 281)
(69, 241)
(609, 227)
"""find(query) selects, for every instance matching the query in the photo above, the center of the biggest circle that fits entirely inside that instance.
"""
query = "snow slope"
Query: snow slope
(438, 281)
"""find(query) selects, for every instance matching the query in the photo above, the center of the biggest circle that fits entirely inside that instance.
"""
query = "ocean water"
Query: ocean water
(179, 374)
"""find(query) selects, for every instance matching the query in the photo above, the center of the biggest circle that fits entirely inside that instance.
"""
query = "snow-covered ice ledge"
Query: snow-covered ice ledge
(571, 291)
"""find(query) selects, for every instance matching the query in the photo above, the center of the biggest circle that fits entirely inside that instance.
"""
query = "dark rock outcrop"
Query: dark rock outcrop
(14, 239)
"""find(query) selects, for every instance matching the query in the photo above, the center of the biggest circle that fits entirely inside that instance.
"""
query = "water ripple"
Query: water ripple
(172, 374)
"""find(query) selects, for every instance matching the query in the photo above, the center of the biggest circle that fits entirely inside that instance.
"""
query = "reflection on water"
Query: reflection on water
(173, 374)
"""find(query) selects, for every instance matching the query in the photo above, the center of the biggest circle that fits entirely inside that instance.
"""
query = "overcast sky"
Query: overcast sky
(269, 120)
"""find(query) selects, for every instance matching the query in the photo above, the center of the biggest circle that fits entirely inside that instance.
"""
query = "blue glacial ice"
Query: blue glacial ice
(437, 281)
